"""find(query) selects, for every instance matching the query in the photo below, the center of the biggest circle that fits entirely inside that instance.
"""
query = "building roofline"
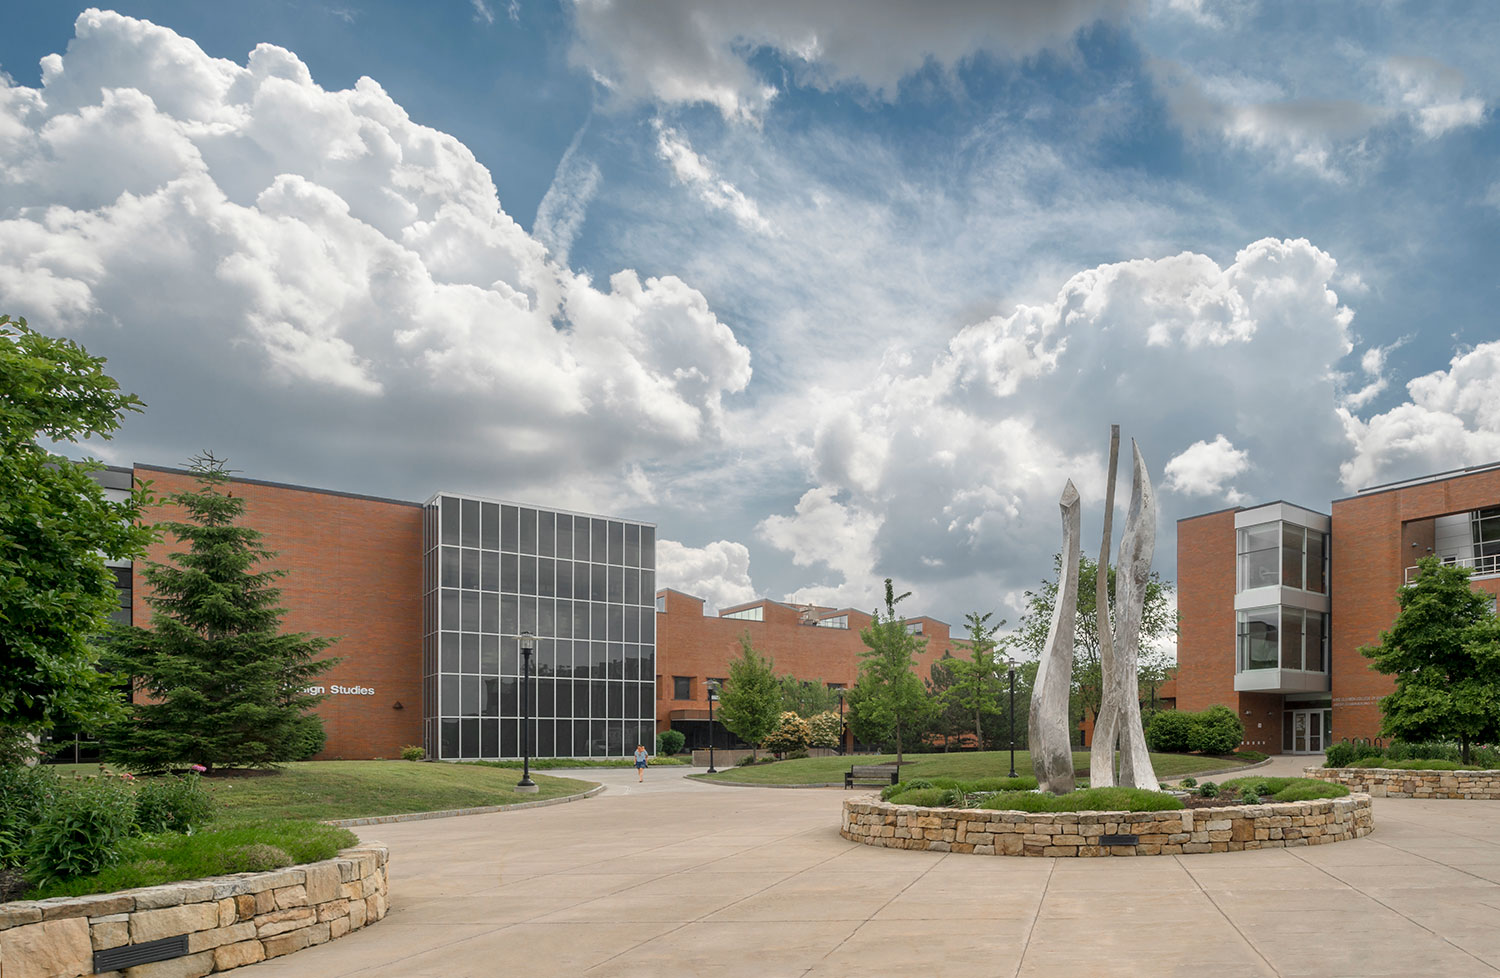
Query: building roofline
(551, 509)
(1215, 512)
(284, 485)
(1242, 509)
(1421, 480)
(664, 590)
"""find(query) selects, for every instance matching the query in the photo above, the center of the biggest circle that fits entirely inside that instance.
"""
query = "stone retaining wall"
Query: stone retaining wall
(1292, 823)
(229, 920)
(1384, 782)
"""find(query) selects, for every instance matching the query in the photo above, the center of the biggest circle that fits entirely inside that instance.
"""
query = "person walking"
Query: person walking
(640, 762)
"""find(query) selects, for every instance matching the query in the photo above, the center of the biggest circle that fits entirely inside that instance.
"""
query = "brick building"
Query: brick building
(1276, 600)
(806, 641)
(428, 602)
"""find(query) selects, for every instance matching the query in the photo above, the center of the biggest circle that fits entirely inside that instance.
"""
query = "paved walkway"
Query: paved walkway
(674, 878)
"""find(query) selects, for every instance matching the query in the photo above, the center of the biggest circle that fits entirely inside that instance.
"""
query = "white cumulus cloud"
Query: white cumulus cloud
(1204, 467)
(718, 572)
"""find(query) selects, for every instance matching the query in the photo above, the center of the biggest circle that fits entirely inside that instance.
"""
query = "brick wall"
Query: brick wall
(1205, 604)
(1372, 542)
(354, 572)
(688, 643)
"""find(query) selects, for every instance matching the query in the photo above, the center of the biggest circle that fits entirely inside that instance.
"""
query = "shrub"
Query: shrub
(1020, 783)
(790, 733)
(412, 752)
(258, 857)
(307, 737)
(1084, 800)
(745, 761)
(1287, 789)
(83, 830)
(1366, 750)
(670, 742)
(1208, 790)
(800, 754)
(1338, 755)
(172, 804)
(1171, 731)
(1250, 798)
(1189, 782)
(25, 794)
(826, 728)
(1219, 731)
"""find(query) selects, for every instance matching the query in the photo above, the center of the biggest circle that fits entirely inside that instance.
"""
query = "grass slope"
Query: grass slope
(362, 789)
(965, 765)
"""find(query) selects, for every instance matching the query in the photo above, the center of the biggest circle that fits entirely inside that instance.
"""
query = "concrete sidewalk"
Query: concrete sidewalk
(676, 878)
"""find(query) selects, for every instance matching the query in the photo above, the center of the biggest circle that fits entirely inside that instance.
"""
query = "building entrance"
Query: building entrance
(1306, 731)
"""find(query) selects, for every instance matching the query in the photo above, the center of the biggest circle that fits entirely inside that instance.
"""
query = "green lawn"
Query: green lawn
(360, 789)
(965, 765)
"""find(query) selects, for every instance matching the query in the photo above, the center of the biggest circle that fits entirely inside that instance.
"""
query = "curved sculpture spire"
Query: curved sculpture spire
(1132, 575)
(1107, 721)
(1051, 746)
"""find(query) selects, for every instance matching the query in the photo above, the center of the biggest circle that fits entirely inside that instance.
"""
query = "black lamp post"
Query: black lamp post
(841, 721)
(528, 646)
(713, 695)
(1010, 667)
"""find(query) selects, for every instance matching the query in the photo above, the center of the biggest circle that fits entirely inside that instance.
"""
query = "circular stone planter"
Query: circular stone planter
(1385, 782)
(995, 833)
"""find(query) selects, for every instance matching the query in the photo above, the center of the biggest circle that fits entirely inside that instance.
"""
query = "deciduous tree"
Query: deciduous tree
(750, 701)
(891, 698)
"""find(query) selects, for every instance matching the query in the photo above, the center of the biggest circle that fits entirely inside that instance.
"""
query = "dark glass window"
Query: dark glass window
(469, 661)
(528, 614)
(450, 525)
(682, 687)
(546, 577)
(564, 578)
(616, 703)
(510, 738)
(632, 545)
(509, 573)
(546, 616)
(510, 657)
(596, 659)
(489, 570)
(546, 533)
(598, 695)
(598, 583)
(469, 578)
(450, 608)
(450, 654)
(510, 614)
(470, 611)
(632, 586)
(510, 700)
(616, 542)
(648, 546)
(490, 538)
(470, 733)
(489, 655)
(564, 699)
(616, 585)
(599, 538)
(471, 696)
(616, 623)
(489, 617)
(508, 530)
(528, 575)
(528, 531)
(632, 623)
(648, 587)
(598, 621)
(471, 522)
(544, 746)
(450, 738)
(564, 536)
(580, 619)
(616, 662)
(489, 738)
(564, 619)
(448, 691)
(632, 661)
(452, 561)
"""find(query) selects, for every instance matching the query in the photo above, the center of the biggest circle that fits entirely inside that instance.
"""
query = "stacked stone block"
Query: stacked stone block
(1392, 783)
(995, 833)
(229, 920)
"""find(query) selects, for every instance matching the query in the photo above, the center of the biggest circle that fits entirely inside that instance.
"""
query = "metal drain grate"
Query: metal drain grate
(1119, 840)
(133, 954)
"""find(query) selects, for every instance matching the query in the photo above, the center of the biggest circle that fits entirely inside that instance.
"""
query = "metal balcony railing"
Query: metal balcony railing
(1485, 566)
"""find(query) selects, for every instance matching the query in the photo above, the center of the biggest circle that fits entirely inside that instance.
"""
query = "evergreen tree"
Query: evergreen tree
(223, 686)
(1444, 650)
(975, 688)
(948, 718)
(750, 703)
(56, 530)
(891, 698)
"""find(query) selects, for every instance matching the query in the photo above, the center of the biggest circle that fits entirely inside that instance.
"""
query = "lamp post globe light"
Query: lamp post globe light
(713, 696)
(528, 646)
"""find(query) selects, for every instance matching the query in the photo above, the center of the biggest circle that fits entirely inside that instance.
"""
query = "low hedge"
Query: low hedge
(1215, 730)
(976, 786)
(1414, 764)
(1286, 789)
(1084, 800)
(1483, 758)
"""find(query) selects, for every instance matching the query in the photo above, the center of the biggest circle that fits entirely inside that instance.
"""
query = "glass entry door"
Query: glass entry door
(1305, 732)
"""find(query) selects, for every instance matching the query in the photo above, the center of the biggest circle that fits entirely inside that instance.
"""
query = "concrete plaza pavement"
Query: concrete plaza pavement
(673, 877)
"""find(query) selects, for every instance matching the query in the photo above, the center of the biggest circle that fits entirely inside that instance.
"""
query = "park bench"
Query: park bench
(881, 774)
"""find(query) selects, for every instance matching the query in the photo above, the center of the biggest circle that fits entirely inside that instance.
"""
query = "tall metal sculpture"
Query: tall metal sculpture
(1051, 745)
(1119, 720)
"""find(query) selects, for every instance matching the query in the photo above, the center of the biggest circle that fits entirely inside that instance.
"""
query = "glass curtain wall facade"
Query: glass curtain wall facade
(1281, 600)
(585, 586)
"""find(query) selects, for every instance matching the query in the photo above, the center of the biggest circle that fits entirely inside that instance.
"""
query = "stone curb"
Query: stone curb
(346, 823)
(839, 784)
(1429, 784)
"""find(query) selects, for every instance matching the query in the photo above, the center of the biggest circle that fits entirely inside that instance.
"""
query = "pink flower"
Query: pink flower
(198, 767)
(127, 776)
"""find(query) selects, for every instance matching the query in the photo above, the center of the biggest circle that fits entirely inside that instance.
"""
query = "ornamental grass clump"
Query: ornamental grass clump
(172, 804)
(1084, 800)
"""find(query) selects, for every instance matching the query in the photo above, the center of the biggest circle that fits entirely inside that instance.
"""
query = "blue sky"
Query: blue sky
(831, 292)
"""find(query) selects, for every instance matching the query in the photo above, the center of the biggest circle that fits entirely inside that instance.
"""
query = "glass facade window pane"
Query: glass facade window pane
(598, 622)
(632, 661)
(546, 533)
(450, 616)
(616, 704)
(469, 654)
(1315, 645)
(450, 521)
(615, 664)
(510, 614)
(682, 687)
(489, 570)
(546, 584)
(632, 545)
(510, 578)
(616, 543)
(450, 738)
(598, 696)
(648, 587)
(528, 614)
(616, 584)
(564, 693)
(599, 539)
(564, 578)
(1291, 638)
(470, 508)
(448, 698)
(1317, 581)
(510, 738)
(1291, 555)
(509, 530)
(489, 655)
(510, 657)
(470, 616)
(1259, 555)
(489, 738)
(580, 619)
(469, 577)
(451, 652)
(648, 627)
(470, 696)
(632, 586)
(632, 631)
(528, 531)
(510, 700)
(564, 546)
(597, 656)
(528, 575)
(616, 623)
(598, 585)
(1259, 639)
(452, 562)
(489, 537)
(546, 616)
(648, 546)
(489, 617)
